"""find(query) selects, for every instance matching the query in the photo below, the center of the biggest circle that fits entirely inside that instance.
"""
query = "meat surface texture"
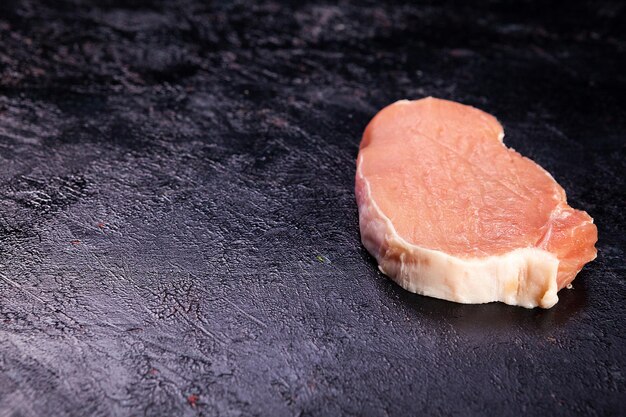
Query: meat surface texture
(449, 211)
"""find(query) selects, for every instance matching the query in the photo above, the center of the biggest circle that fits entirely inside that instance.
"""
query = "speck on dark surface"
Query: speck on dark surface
(178, 231)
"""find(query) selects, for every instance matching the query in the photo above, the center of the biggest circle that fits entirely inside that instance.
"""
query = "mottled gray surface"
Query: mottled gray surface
(178, 231)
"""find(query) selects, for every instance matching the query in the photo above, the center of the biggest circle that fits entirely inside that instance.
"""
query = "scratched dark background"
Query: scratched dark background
(178, 231)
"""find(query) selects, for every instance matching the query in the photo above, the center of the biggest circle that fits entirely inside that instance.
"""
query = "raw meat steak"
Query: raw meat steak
(450, 212)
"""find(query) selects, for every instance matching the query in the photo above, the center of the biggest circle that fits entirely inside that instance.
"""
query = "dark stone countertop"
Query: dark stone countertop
(178, 230)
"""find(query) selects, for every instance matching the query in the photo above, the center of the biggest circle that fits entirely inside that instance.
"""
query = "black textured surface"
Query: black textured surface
(178, 231)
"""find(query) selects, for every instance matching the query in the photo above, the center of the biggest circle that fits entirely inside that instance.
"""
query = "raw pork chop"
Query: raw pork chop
(450, 212)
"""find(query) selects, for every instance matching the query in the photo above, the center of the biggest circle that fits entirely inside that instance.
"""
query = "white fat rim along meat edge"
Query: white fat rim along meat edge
(524, 277)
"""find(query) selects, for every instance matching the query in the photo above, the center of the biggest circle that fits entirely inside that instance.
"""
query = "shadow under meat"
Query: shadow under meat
(479, 318)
